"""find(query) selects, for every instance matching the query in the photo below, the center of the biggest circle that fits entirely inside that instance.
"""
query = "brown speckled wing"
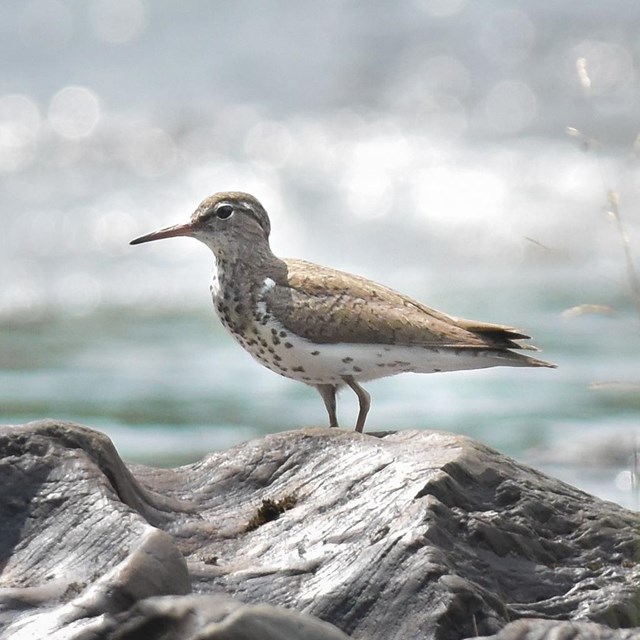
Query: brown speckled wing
(325, 305)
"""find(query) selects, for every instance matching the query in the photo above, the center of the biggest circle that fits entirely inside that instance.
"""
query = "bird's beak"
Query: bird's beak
(167, 232)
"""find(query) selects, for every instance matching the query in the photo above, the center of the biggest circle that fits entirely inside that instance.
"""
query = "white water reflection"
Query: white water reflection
(74, 112)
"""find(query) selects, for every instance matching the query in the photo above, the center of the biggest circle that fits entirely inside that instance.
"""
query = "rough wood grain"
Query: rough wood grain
(408, 535)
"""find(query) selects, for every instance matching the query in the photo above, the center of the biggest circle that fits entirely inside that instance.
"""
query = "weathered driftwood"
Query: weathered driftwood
(409, 535)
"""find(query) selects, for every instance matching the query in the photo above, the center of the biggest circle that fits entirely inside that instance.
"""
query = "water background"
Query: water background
(421, 143)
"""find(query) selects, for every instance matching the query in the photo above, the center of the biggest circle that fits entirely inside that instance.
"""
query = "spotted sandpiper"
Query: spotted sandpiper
(324, 327)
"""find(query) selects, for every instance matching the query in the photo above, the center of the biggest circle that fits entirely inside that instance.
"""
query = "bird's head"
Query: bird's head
(228, 223)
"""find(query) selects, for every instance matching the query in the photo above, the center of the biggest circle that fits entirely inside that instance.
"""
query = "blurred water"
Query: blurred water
(419, 143)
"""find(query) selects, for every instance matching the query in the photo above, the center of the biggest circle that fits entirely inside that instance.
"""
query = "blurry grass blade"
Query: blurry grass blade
(583, 76)
(583, 309)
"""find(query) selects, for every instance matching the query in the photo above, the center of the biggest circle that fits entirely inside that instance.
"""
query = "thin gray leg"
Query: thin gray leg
(328, 394)
(363, 398)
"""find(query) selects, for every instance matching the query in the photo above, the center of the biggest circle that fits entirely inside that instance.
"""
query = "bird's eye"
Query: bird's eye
(224, 211)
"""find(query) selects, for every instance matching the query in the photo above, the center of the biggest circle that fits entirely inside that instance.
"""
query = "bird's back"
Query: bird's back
(329, 306)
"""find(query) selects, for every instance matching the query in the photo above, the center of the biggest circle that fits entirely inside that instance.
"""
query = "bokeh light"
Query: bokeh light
(20, 123)
(610, 65)
(74, 112)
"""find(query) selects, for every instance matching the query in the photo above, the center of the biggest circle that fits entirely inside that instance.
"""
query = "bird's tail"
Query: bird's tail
(513, 359)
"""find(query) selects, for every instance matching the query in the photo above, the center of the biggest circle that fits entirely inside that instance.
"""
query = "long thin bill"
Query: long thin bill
(167, 232)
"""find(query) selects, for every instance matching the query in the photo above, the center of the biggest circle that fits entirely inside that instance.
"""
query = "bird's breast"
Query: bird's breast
(214, 286)
(237, 301)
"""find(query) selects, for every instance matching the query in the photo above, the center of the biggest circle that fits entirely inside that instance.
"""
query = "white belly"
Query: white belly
(289, 355)
(293, 357)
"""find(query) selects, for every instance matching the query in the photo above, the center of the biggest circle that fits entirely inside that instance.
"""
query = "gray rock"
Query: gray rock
(73, 545)
(538, 629)
(409, 535)
(216, 618)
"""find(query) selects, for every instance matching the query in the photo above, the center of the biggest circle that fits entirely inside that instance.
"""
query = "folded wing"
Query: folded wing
(325, 305)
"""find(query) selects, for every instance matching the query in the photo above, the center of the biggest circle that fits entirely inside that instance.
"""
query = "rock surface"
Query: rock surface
(537, 629)
(409, 535)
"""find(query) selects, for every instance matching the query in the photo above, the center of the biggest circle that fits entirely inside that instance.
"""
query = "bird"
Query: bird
(328, 328)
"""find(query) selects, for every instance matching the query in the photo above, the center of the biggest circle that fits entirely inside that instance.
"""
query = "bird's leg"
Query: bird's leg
(363, 398)
(328, 394)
